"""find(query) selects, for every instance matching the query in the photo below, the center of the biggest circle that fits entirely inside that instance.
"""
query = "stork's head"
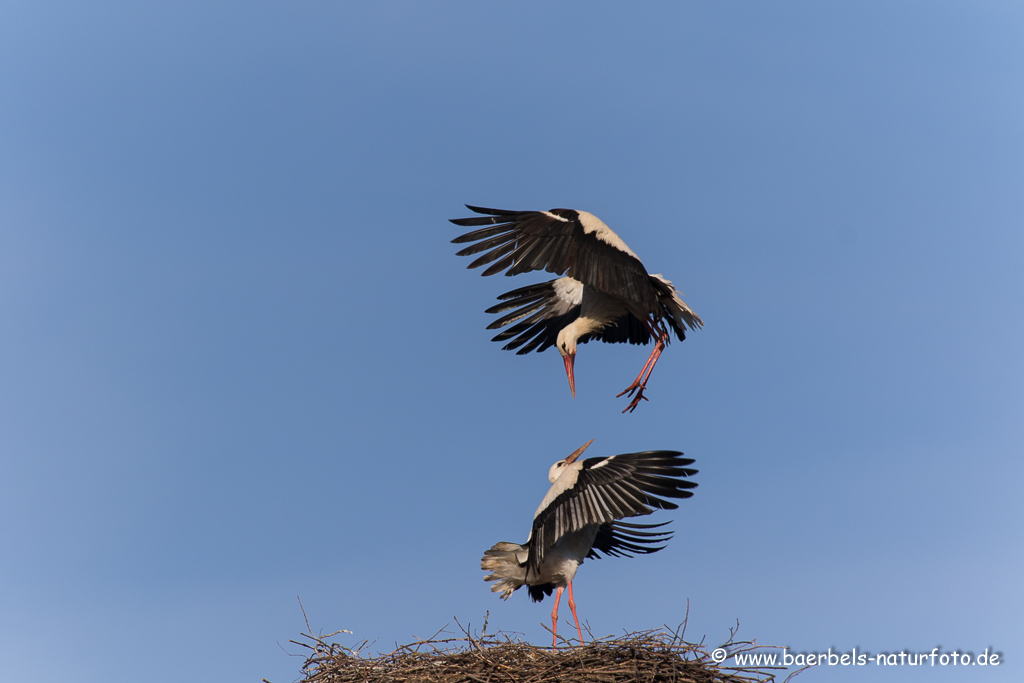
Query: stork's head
(566, 344)
(556, 470)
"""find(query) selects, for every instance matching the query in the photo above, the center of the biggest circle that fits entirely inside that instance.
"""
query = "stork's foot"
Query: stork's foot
(635, 402)
(638, 390)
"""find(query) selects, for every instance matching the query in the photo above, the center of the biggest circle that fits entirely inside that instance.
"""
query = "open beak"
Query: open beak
(569, 360)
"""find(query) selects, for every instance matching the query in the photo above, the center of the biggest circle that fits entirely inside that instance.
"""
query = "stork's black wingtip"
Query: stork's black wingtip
(491, 212)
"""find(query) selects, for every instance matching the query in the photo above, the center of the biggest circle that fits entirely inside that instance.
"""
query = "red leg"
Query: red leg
(572, 606)
(655, 355)
(554, 620)
(636, 382)
(640, 383)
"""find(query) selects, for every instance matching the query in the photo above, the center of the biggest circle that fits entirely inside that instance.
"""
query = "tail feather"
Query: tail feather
(682, 316)
(507, 564)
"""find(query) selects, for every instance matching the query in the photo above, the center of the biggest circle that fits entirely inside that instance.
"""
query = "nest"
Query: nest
(656, 655)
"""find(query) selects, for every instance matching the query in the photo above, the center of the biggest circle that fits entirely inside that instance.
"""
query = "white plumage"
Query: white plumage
(606, 293)
(579, 518)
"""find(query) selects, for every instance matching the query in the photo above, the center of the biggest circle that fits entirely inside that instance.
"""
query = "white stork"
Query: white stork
(607, 293)
(578, 519)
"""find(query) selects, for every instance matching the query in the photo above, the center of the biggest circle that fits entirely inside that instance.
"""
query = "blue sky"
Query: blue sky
(241, 362)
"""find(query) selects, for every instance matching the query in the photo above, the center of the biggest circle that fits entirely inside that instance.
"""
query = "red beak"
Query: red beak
(578, 452)
(569, 360)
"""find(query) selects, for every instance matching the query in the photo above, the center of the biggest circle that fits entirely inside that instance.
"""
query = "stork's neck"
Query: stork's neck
(586, 325)
(568, 335)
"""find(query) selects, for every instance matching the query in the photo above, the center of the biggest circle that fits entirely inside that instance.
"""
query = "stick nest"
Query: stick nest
(657, 655)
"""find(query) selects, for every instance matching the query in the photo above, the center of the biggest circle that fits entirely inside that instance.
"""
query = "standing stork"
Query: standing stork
(606, 293)
(579, 518)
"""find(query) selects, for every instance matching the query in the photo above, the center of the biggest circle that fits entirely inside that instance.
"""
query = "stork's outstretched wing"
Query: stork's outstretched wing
(622, 539)
(609, 489)
(543, 309)
(560, 241)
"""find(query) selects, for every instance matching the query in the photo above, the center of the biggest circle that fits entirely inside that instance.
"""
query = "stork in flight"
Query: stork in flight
(606, 293)
(579, 519)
